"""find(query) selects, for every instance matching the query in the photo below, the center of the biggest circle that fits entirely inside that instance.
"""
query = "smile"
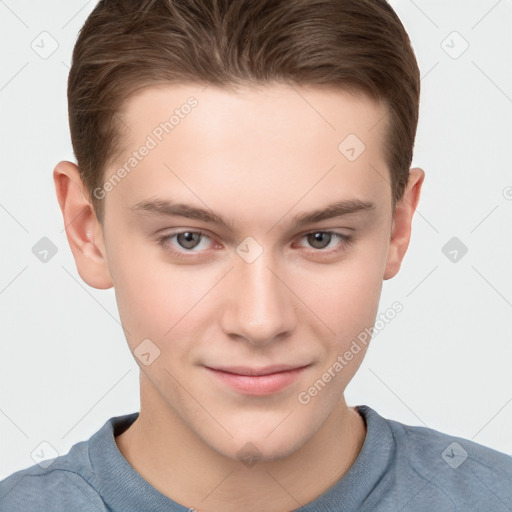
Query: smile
(252, 381)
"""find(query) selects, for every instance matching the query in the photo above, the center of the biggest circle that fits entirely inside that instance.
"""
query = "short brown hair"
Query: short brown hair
(124, 45)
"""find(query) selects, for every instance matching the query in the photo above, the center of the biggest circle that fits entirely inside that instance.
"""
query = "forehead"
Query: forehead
(266, 110)
(270, 143)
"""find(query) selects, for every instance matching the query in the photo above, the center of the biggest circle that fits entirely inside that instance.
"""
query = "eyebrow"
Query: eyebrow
(166, 208)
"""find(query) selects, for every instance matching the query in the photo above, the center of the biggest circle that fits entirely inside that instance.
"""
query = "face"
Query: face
(251, 233)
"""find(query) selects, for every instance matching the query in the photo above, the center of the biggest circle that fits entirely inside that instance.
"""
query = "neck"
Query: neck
(176, 462)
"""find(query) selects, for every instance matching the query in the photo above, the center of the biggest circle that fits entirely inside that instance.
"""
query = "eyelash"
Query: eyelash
(344, 241)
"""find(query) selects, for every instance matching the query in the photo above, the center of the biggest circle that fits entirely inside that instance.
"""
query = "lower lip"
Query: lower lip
(258, 384)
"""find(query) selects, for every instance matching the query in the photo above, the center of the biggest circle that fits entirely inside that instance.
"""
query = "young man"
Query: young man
(243, 183)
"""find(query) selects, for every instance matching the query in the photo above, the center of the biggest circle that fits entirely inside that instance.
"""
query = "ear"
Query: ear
(402, 219)
(84, 232)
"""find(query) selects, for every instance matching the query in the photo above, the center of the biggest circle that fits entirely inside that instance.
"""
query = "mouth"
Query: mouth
(257, 381)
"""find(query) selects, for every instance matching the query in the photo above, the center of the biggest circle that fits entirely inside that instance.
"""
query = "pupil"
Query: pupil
(321, 240)
(189, 240)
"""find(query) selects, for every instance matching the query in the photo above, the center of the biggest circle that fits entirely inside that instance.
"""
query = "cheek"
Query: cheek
(145, 293)
(157, 299)
(346, 299)
(345, 295)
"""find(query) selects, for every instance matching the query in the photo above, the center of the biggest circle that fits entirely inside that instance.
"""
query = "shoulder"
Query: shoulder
(60, 484)
(432, 446)
(74, 481)
(467, 474)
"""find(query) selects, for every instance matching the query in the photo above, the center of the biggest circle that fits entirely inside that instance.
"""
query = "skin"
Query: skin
(257, 157)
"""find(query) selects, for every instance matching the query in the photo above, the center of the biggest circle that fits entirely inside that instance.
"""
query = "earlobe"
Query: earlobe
(402, 220)
(83, 231)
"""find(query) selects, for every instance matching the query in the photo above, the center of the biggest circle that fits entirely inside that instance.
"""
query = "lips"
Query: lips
(256, 381)
(268, 370)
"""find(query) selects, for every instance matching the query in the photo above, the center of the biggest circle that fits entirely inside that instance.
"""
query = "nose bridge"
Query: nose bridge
(259, 306)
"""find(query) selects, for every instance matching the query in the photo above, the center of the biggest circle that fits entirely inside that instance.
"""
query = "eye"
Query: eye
(184, 241)
(188, 239)
(321, 240)
(189, 243)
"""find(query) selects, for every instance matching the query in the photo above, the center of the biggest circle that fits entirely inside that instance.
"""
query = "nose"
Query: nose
(259, 306)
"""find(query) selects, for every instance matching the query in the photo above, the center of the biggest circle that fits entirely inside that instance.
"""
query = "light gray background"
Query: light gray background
(443, 362)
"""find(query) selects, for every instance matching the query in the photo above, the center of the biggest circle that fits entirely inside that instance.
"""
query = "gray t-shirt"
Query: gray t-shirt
(400, 468)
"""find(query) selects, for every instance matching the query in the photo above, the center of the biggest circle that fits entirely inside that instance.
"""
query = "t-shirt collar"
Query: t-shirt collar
(124, 490)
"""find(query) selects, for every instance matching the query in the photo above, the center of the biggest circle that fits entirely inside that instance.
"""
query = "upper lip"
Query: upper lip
(267, 370)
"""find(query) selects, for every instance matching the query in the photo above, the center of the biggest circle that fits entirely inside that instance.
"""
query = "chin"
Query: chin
(251, 446)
